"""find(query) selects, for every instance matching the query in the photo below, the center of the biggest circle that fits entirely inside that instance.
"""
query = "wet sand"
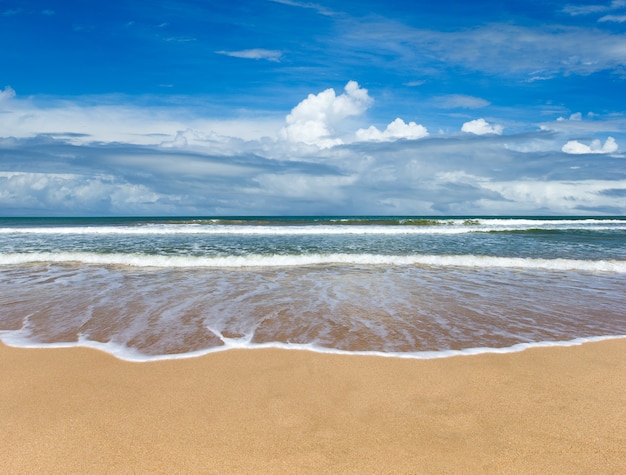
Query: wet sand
(543, 410)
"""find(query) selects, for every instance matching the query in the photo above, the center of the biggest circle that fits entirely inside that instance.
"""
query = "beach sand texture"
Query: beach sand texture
(543, 410)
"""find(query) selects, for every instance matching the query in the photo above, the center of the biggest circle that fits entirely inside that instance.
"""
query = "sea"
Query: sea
(414, 287)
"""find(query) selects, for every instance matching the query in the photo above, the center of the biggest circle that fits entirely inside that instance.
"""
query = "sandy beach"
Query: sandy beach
(543, 410)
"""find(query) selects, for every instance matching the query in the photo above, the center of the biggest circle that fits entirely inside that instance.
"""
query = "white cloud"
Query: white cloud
(180, 165)
(397, 129)
(455, 174)
(76, 158)
(313, 120)
(590, 124)
(322, 10)
(65, 193)
(255, 53)
(306, 187)
(415, 83)
(496, 48)
(614, 18)
(561, 196)
(481, 127)
(576, 10)
(123, 123)
(577, 148)
(177, 39)
(185, 138)
(460, 101)
(210, 142)
(7, 93)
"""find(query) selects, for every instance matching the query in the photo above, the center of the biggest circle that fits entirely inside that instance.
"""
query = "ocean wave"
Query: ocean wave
(291, 260)
(443, 227)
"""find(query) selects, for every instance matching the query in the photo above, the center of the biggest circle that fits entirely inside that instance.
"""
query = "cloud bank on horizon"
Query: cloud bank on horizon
(379, 109)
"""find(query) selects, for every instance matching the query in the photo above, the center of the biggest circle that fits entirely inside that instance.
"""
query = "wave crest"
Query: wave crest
(291, 260)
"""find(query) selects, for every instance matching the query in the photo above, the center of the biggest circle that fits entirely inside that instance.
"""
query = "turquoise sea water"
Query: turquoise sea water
(145, 288)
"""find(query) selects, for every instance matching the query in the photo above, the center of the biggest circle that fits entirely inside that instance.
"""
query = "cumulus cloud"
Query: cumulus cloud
(562, 196)
(71, 193)
(481, 127)
(397, 129)
(574, 116)
(126, 159)
(187, 137)
(313, 120)
(590, 124)
(255, 53)
(577, 148)
(7, 93)
(458, 174)
(210, 142)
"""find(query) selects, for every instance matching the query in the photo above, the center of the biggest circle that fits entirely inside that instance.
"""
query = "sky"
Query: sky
(291, 107)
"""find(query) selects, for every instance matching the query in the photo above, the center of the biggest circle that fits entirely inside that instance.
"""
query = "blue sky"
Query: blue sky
(294, 107)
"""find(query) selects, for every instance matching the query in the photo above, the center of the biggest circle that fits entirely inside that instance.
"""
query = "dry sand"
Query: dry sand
(544, 410)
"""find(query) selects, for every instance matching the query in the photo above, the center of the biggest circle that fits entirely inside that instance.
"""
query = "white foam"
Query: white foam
(242, 342)
(128, 354)
(292, 260)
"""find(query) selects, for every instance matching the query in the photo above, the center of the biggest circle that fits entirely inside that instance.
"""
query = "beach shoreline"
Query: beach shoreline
(549, 409)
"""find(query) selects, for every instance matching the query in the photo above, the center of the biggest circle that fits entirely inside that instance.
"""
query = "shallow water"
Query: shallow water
(146, 288)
